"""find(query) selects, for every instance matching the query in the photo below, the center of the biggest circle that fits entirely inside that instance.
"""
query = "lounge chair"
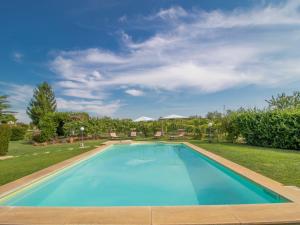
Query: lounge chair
(180, 134)
(113, 135)
(158, 134)
(133, 134)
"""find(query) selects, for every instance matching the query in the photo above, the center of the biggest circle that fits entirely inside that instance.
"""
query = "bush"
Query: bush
(278, 129)
(47, 126)
(5, 134)
(17, 133)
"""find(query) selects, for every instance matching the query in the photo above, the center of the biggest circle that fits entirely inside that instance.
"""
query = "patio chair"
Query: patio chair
(133, 134)
(158, 134)
(180, 134)
(113, 135)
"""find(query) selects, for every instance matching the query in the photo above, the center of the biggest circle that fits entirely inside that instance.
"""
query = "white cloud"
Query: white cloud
(18, 98)
(134, 92)
(286, 13)
(170, 13)
(199, 51)
(17, 56)
(122, 19)
(205, 52)
(97, 108)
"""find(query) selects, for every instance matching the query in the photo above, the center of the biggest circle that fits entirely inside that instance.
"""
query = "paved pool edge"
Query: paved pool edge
(279, 213)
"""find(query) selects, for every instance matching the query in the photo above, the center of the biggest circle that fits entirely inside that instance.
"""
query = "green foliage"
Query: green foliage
(6, 118)
(3, 104)
(60, 118)
(43, 102)
(275, 128)
(17, 133)
(48, 127)
(231, 127)
(283, 101)
(5, 134)
(5, 115)
(214, 115)
(97, 127)
(60, 124)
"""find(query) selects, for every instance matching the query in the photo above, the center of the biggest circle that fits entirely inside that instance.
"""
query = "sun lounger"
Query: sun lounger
(113, 135)
(133, 134)
(158, 134)
(180, 135)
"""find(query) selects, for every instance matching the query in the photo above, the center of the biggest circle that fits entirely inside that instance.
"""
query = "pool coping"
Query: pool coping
(279, 213)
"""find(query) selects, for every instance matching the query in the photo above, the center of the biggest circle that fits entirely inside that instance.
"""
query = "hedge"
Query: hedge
(17, 133)
(5, 134)
(278, 129)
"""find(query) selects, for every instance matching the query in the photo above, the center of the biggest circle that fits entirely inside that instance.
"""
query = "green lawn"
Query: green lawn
(280, 165)
(29, 159)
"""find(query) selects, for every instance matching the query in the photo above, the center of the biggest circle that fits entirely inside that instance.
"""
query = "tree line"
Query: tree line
(278, 125)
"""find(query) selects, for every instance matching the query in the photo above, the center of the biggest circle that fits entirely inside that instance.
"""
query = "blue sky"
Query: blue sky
(132, 58)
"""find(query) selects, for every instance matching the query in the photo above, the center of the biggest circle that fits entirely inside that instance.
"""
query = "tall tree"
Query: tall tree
(3, 105)
(5, 115)
(42, 102)
(283, 101)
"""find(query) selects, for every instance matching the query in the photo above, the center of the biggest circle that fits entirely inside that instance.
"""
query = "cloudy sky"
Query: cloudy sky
(131, 58)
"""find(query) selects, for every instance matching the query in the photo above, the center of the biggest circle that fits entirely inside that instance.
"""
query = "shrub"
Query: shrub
(47, 126)
(17, 133)
(230, 127)
(278, 129)
(28, 135)
(5, 134)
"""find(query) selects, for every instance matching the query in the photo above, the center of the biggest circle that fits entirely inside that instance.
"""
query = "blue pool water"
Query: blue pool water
(144, 175)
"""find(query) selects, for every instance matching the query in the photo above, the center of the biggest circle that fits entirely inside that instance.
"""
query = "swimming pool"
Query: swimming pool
(155, 174)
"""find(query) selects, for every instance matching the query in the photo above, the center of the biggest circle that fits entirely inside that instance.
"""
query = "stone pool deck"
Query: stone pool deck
(281, 213)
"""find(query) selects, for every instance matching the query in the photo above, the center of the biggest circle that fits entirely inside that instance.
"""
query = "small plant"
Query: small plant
(5, 133)
(17, 133)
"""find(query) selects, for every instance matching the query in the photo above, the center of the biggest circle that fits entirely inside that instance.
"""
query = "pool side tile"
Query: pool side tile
(186, 215)
(73, 215)
(35, 215)
(286, 213)
(111, 215)
(3, 209)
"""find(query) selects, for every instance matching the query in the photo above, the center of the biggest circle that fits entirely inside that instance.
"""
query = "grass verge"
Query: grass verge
(29, 159)
(278, 164)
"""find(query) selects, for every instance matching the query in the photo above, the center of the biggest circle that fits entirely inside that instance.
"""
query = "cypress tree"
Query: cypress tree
(42, 102)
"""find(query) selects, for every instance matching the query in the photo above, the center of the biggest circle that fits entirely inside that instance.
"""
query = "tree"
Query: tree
(5, 133)
(47, 126)
(283, 101)
(5, 115)
(4, 105)
(42, 102)
(7, 118)
(214, 115)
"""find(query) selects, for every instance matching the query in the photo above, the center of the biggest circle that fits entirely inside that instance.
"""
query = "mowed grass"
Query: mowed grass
(278, 164)
(28, 158)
